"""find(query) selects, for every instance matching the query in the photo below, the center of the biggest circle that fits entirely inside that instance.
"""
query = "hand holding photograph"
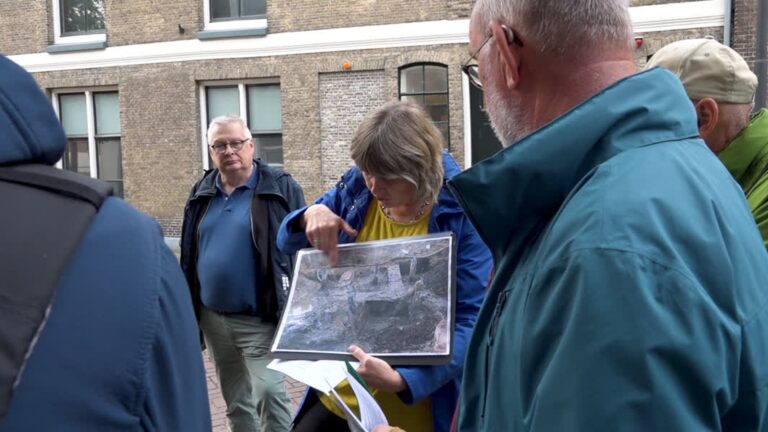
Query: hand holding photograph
(392, 298)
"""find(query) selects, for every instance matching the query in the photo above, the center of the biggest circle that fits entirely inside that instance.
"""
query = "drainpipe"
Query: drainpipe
(727, 23)
(761, 52)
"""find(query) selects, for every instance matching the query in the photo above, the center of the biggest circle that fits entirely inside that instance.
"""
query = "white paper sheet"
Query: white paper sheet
(370, 411)
(321, 375)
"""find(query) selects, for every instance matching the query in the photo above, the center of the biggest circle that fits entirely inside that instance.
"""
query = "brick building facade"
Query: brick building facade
(303, 72)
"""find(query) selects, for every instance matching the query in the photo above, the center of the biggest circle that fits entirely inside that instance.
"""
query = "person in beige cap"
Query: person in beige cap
(722, 89)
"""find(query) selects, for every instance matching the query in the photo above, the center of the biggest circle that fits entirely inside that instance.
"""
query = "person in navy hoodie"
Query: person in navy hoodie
(119, 350)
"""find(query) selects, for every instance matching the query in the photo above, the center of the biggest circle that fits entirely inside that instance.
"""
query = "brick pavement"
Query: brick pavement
(216, 402)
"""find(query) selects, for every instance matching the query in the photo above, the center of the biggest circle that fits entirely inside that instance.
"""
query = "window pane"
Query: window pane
(252, 8)
(264, 108)
(107, 113)
(412, 80)
(436, 79)
(437, 107)
(270, 148)
(415, 99)
(76, 156)
(72, 109)
(222, 101)
(220, 9)
(82, 16)
(110, 159)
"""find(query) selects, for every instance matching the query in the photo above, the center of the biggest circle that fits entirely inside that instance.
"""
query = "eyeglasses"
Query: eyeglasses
(221, 146)
(471, 69)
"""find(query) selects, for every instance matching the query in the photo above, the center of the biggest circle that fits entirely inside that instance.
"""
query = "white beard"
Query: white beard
(508, 118)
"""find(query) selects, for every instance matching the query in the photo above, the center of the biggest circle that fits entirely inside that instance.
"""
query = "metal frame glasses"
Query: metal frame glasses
(236, 146)
(471, 69)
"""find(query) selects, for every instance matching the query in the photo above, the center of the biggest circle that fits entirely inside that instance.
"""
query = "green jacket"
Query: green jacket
(630, 280)
(747, 160)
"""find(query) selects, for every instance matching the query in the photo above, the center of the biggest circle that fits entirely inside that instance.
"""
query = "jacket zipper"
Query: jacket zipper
(500, 302)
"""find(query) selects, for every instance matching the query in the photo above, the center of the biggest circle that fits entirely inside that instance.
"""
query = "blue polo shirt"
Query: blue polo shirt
(226, 262)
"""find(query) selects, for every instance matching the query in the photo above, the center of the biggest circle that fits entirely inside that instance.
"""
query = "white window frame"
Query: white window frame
(90, 117)
(78, 39)
(467, 115)
(236, 24)
(243, 96)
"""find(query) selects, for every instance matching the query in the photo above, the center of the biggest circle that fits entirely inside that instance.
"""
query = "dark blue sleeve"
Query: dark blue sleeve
(289, 238)
(176, 396)
(473, 270)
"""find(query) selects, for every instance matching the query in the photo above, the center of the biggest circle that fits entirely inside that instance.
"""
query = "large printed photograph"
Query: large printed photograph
(392, 298)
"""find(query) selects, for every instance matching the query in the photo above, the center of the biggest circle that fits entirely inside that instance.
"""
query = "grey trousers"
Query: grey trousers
(255, 396)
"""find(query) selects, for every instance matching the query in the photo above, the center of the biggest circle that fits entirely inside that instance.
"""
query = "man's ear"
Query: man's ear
(707, 114)
(510, 57)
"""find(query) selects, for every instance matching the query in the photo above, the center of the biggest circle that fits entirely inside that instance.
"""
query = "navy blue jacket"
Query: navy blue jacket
(119, 351)
(276, 194)
(350, 199)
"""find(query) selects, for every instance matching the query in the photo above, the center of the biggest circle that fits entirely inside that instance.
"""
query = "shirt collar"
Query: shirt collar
(251, 183)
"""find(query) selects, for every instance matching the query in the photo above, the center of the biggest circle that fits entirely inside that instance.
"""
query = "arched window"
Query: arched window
(427, 85)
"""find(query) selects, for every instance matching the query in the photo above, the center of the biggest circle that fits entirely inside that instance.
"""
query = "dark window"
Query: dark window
(223, 10)
(265, 121)
(427, 85)
(484, 141)
(82, 17)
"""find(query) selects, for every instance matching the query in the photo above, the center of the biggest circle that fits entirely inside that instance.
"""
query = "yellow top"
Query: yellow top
(377, 226)
(417, 417)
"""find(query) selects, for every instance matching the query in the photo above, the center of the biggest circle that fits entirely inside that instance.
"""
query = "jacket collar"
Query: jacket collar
(744, 155)
(446, 203)
(509, 196)
(267, 181)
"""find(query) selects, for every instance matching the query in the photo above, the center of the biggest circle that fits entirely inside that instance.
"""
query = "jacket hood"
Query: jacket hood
(30, 129)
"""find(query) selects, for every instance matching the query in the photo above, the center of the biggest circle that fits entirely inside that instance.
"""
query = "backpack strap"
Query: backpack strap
(44, 212)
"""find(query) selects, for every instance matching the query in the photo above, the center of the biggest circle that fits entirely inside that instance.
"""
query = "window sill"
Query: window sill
(69, 47)
(234, 33)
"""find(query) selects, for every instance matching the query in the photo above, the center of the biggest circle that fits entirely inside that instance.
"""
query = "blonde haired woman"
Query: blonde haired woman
(396, 189)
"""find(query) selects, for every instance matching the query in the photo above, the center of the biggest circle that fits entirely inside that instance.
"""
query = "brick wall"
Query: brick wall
(26, 25)
(160, 115)
(345, 98)
(23, 26)
(653, 41)
(144, 21)
(744, 29)
(297, 15)
(160, 106)
(744, 35)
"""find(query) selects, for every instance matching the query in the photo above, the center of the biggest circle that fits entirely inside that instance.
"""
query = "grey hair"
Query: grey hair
(225, 120)
(399, 140)
(563, 26)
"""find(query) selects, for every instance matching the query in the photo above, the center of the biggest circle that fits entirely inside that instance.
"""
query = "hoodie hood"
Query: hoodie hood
(30, 130)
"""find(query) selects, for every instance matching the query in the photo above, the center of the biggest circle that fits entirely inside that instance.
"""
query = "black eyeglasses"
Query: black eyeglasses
(471, 69)
(221, 146)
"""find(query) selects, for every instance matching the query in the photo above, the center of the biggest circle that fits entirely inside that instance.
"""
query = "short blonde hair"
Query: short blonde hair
(399, 140)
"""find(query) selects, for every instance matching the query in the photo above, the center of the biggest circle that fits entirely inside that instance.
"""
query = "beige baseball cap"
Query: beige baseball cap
(708, 68)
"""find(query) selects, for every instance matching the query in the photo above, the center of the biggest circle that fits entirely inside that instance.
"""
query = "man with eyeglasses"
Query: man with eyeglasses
(630, 281)
(238, 279)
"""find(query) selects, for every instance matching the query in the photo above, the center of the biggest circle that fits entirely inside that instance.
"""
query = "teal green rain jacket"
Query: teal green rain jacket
(631, 281)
